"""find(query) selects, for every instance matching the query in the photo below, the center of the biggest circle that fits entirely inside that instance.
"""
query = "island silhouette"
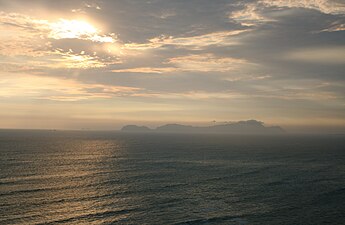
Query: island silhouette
(240, 127)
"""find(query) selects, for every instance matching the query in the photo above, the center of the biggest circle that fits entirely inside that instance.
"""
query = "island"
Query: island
(240, 127)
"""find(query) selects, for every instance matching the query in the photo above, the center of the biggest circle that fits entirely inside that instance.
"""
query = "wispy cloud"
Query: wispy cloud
(193, 63)
(198, 42)
(146, 70)
(324, 6)
(207, 63)
(250, 15)
(335, 26)
(196, 95)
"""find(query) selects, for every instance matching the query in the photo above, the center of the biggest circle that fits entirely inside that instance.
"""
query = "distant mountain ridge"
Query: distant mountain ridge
(240, 127)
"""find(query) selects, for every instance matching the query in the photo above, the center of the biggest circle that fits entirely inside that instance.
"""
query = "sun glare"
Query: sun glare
(76, 29)
(71, 29)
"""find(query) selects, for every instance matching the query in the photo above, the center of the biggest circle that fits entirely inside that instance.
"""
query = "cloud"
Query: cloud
(146, 70)
(249, 15)
(319, 55)
(324, 6)
(192, 63)
(335, 26)
(23, 36)
(221, 38)
(164, 14)
(44, 42)
(193, 95)
(72, 60)
(93, 5)
(31, 40)
(60, 29)
(50, 88)
(207, 63)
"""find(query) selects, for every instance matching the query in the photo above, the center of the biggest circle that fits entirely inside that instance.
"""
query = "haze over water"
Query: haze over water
(79, 177)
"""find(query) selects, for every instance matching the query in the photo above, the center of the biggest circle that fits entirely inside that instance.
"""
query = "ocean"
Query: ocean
(94, 177)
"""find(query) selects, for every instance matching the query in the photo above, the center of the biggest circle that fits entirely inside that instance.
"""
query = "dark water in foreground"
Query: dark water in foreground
(69, 177)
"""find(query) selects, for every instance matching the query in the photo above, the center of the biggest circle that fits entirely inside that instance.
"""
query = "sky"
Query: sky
(103, 64)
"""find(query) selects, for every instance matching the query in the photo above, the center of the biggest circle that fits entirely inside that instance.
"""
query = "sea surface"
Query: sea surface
(84, 177)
